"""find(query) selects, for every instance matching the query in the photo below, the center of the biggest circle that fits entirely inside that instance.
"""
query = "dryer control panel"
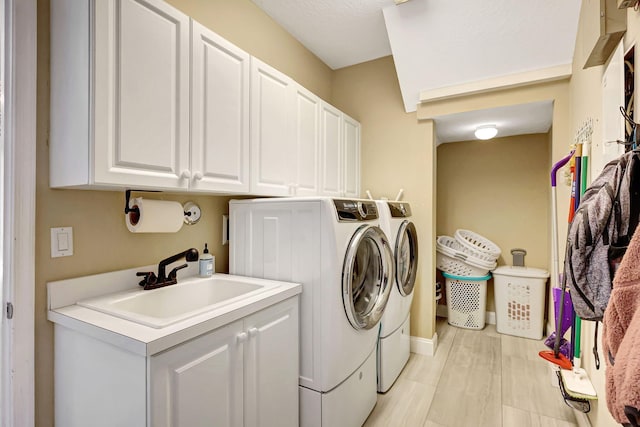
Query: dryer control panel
(356, 210)
(399, 209)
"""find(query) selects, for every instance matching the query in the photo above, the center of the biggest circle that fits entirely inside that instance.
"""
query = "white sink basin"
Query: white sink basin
(164, 306)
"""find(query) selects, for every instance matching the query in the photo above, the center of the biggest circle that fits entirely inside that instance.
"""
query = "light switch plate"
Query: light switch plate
(61, 242)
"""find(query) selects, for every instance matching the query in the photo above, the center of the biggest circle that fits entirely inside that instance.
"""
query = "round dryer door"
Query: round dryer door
(406, 252)
(366, 277)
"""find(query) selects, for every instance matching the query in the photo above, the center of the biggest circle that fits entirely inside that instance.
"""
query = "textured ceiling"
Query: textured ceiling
(339, 32)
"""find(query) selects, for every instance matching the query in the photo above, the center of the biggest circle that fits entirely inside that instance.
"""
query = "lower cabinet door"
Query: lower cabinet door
(271, 367)
(200, 382)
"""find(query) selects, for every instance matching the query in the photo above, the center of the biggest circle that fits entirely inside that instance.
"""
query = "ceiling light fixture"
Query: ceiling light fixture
(486, 131)
(400, 1)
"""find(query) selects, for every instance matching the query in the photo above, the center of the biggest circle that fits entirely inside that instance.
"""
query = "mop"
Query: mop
(556, 356)
(575, 385)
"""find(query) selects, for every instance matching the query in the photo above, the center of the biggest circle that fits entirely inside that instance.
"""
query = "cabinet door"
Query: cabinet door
(141, 90)
(351, 168)
(271, 367)
(199, 383)
(219, 113)
(306, 142)
(331, 150)
(271, 131)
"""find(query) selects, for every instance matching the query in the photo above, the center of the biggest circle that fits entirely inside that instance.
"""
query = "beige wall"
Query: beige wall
(499, 189)
(397, 152)
(101, 240)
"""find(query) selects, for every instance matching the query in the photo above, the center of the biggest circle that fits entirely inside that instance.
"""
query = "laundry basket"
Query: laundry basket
(451, 259)
(477, 245)
(466, 300)
(520, 296)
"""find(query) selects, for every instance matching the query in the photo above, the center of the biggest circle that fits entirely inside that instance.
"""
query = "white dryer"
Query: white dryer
(336, 250)
(395, 334)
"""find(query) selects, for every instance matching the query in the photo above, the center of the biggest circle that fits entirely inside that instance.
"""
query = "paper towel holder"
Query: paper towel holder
(191, 210)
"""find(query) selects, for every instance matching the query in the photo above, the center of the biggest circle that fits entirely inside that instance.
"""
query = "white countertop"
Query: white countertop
(141, 339)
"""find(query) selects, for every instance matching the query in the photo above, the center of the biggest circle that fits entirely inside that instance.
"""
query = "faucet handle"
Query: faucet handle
(149, 278)
(174, 273)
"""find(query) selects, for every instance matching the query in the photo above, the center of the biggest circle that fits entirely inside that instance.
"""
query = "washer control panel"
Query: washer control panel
(399, 209)
(356, 210)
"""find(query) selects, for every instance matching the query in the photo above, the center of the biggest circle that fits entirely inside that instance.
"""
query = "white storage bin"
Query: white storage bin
(520, 295)
(466, 300)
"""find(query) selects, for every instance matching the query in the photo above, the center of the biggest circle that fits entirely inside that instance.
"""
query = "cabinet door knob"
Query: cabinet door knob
(242, 337)
(185, 174)
(253, 332)
(198, 176)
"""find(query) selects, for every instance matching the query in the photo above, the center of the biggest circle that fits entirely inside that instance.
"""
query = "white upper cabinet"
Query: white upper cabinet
(219, 113)
(144, 97)
(272, 145)
(306, 142)
(120, 94)
(351, 167)
(331, 157)
(340, 153)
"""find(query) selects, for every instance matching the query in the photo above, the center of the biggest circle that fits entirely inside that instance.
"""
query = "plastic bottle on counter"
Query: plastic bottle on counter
(206, 263)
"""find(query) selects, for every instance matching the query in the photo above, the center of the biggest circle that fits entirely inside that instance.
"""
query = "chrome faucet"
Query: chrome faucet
(151, 281)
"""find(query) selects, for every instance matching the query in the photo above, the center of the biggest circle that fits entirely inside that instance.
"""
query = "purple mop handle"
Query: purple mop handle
(558, 165)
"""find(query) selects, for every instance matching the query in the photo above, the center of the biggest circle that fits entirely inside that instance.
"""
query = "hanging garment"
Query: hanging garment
(621, 339)
(599, 234)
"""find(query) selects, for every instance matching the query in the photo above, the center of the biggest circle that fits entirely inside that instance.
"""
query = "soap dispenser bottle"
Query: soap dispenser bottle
(206, 263)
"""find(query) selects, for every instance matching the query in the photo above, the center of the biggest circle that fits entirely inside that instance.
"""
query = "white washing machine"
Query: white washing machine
(336, 250)
(395, 334)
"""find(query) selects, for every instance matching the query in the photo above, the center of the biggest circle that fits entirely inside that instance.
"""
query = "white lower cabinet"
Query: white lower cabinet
(242, 374)
(200, 382)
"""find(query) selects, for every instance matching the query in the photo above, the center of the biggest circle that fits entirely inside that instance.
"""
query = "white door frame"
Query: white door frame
(18, 272)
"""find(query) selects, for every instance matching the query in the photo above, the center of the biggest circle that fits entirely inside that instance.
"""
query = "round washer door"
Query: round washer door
(406, 251)
(367, 276)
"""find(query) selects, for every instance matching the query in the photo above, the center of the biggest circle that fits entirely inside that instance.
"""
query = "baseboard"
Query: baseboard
(489, 318)
(424, 346)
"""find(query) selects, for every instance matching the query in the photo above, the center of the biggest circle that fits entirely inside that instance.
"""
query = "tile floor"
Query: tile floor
(476, 378)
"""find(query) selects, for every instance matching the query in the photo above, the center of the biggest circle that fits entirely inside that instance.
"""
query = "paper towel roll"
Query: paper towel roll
(156, 216)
